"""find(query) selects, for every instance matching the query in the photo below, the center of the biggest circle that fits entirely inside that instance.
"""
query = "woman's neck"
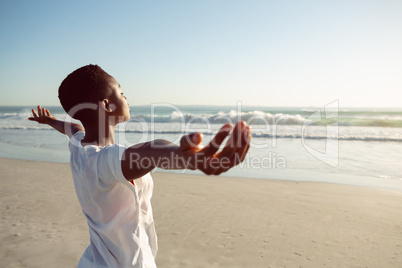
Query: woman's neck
(99, 135)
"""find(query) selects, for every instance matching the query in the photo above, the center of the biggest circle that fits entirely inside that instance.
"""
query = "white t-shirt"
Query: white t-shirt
(119, 214)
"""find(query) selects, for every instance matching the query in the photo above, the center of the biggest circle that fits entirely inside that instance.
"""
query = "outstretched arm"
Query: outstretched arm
(141, 159)
(43, 117)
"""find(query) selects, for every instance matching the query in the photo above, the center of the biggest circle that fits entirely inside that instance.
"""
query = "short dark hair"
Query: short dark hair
(88, 84)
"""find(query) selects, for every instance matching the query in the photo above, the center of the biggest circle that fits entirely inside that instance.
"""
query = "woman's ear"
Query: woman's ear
(106, 106)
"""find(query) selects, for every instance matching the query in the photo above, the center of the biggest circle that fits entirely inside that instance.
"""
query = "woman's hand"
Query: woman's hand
(207, 159)
(42, 116)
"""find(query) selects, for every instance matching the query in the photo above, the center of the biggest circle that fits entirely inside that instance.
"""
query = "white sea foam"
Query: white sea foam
(252, 117)
(264, 125)
(370, 141)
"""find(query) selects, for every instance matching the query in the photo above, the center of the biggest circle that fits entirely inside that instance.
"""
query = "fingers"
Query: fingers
(216, 142)
(190, 141)
(32, 118)
(246, 148)
(234, 152)
(242, 146)
(34, 113)
(41, 112)
(233, 142)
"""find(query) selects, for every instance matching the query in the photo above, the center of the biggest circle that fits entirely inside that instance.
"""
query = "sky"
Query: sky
(210, 52)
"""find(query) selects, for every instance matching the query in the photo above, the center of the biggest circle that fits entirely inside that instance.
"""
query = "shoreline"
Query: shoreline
(206, 221)
(292, 176)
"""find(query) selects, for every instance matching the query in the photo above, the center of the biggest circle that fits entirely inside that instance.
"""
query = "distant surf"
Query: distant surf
(286, 123)
(288, 143)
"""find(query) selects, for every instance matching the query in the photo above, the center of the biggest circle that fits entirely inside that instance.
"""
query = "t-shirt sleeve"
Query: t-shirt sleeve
(75, 140)
(109, 164)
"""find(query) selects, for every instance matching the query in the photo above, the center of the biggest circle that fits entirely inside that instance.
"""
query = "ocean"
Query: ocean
(354, 146)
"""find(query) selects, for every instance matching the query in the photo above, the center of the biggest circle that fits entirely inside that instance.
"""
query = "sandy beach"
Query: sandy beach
(208, 221)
